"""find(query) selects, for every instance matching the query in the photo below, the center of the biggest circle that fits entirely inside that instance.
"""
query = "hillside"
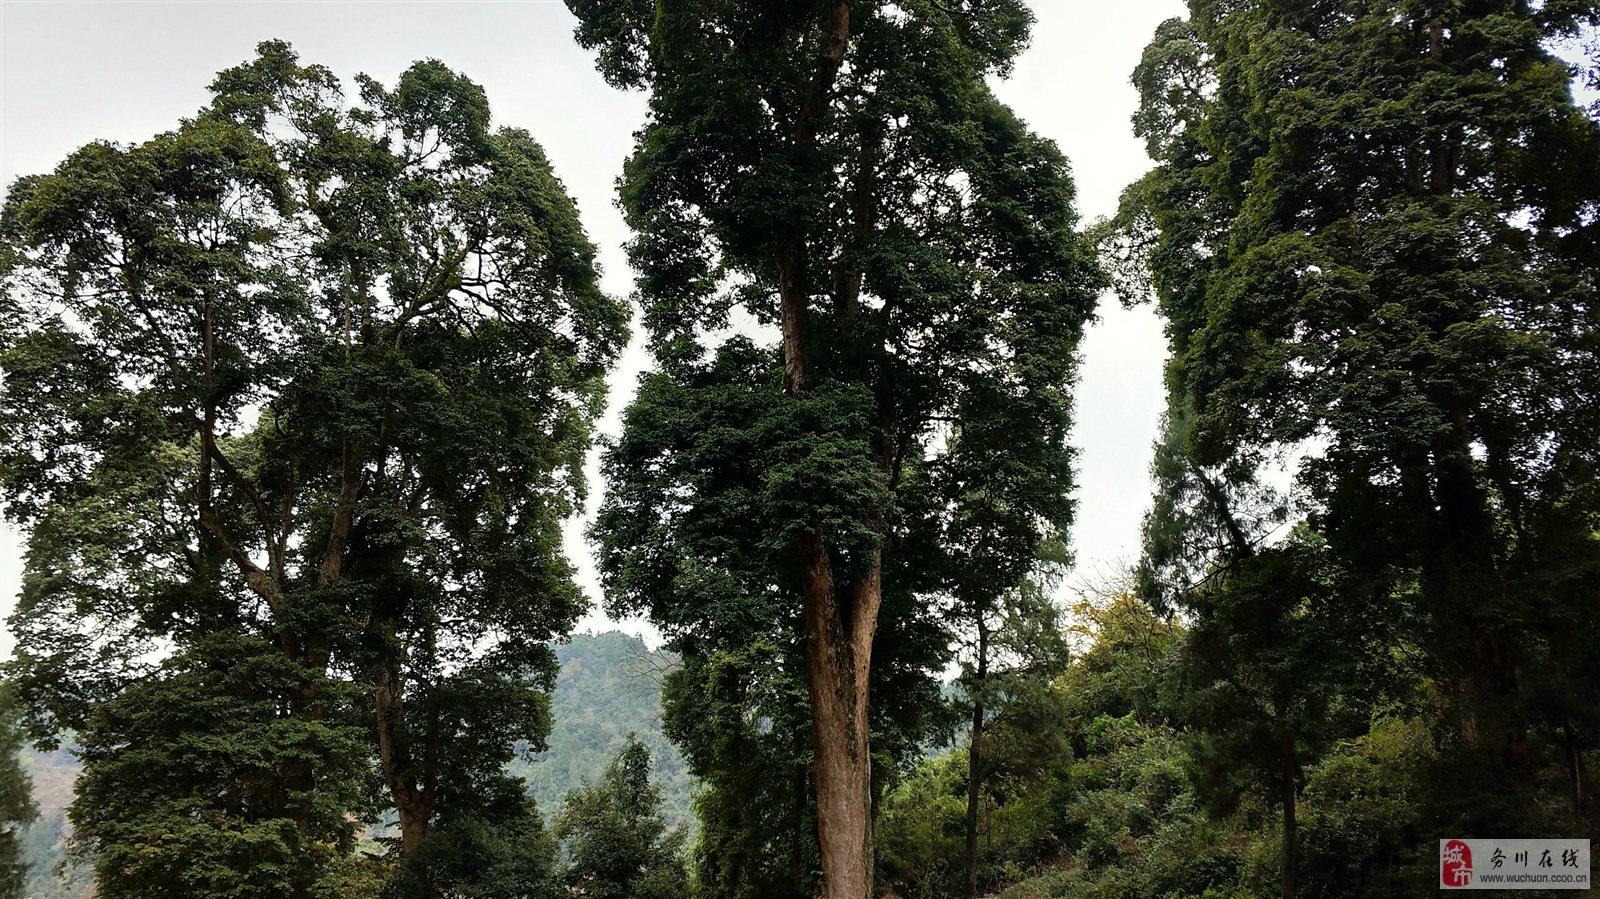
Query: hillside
(610, 686)
(44, 842)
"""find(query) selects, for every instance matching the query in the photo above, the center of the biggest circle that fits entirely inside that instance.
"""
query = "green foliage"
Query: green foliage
(1130, 808)
(739, 715)
(609, 689)
(182, 791)
(617, 843)
(1109, 810)
(1129, 812)
(1139, 828)
(1378, 266)
(1278, 666)
(1015, 648)
(17, 808)
(315, 379)
(1365, 831)
(921, 829)
(501, 850)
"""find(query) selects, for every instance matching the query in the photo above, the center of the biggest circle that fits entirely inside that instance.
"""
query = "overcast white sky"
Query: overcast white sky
(74, 72)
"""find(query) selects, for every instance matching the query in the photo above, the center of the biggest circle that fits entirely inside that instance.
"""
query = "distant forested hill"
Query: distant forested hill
(610, 686)
(44, 841)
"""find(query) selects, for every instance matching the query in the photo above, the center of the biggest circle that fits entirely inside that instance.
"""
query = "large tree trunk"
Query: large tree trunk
(975, 761)
(1467, 585)
(413, 824)
(839, 657)
(840, 623)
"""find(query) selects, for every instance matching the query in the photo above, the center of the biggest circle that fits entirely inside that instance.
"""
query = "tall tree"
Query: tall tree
(842, 172)
(320, 378)
(1369, 236)
(990, 544)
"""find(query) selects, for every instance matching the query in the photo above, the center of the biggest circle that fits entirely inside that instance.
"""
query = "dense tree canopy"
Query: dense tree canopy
(1373, 232)
(843, 172)
(302, 388)
(298, 395)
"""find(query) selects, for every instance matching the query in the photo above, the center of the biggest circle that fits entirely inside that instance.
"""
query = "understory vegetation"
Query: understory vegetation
(1128, 805)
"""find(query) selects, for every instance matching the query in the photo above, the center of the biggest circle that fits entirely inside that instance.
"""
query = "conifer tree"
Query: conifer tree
(616, 841)
(1374, 238)
(841, 172)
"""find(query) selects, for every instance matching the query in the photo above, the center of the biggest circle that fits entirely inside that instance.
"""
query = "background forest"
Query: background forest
(608, 691)
(301, 394)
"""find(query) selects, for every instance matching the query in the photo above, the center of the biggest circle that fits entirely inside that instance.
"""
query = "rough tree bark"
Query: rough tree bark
(839, 659)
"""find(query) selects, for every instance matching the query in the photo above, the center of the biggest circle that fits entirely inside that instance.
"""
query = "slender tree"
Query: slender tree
(1016, 648)
(841, 172)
